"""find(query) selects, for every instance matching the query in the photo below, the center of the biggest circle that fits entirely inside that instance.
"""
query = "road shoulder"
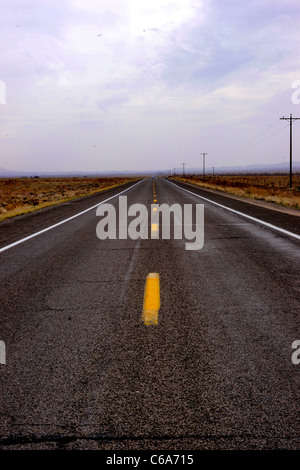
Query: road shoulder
(263, 204)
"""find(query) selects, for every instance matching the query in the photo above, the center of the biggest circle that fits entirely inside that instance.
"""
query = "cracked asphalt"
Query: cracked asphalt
(82, 370)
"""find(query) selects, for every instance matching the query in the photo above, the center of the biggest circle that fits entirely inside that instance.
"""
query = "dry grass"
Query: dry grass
(270, 188)
(22, 195)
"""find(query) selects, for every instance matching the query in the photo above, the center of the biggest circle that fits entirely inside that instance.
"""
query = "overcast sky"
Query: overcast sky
(97, 85)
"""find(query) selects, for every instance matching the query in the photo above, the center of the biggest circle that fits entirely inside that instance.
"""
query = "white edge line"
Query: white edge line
(286, 232)
(65, 220)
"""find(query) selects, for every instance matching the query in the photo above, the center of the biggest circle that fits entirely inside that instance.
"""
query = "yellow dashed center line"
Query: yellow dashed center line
(154, 230)
(151, 300)
(154, 227)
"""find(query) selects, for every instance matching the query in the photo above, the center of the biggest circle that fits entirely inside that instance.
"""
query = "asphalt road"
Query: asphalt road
(84, 372)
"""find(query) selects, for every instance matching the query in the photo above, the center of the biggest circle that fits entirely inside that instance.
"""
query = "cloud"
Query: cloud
(112, 101)
(175, 70)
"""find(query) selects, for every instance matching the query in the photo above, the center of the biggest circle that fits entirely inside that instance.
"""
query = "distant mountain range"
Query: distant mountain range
(5, 173)
(248, 169)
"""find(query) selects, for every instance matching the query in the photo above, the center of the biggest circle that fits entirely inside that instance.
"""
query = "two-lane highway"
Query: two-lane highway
(84, 371)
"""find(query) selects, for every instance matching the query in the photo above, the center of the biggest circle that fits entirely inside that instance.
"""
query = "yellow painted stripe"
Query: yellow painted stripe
(151, 300)
(154, 230)
(155, 200)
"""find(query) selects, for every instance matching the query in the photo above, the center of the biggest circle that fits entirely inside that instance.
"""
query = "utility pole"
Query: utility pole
(182, 168)
(174, 171)
(291, 119)
(204, 154)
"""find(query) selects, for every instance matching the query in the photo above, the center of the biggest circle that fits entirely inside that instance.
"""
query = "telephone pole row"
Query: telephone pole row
(291, 119)
(204, 155)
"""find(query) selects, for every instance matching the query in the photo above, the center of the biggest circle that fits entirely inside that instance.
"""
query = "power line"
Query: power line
(235, 149)
(265, 138)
